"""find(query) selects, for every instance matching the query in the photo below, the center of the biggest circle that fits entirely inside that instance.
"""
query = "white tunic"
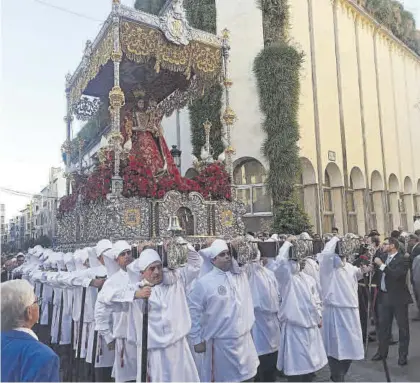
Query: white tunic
(301, 348)
(342, 331)
(222, 315)
(266, 299)
(169, 324)
(56, 306)
(111, 314)
(312, 269)
(103, 356)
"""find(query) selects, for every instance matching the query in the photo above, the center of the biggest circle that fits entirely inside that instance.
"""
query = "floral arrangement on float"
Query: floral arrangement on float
(212, 183)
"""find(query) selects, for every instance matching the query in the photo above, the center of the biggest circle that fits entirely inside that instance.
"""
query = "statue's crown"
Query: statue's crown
(138, 93)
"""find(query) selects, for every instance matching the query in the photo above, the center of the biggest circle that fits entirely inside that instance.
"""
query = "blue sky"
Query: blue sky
(40, 45)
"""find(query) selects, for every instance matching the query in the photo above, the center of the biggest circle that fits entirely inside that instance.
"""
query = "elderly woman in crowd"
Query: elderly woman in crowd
(23, 357)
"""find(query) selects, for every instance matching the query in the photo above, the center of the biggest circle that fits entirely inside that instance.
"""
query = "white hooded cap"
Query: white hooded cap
(78, 259)
(146, 258)
(93, 259)
(110, 256)
(216, 248)
(103, 245)
(69, 262)
(38, 251)
(118, 248)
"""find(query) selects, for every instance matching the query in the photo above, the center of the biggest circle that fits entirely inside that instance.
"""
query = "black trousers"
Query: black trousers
(338, 368)
(416, 290)
(103, 374)
(363, 306)
(301, 378)
(267, 369)
(387, 311)
(64, 352)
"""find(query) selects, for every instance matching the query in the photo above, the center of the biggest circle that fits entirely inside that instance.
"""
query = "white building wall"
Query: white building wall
(244, 21)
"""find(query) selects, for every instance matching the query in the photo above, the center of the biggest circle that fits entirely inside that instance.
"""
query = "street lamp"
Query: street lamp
(176, 154)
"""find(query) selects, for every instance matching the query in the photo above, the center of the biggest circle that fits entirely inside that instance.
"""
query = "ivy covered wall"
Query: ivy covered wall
(394, 16)
(277, 70)
(201, 14)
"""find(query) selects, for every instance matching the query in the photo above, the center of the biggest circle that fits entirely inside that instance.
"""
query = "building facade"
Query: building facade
(44, 205)
(2, 226)
(359, 117)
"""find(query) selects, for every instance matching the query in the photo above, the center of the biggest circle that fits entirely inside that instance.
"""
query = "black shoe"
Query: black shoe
(402, 360)
(376, 357)
(392, 342)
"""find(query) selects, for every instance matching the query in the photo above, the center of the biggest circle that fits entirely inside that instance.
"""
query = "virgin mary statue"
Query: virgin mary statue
(148, 141)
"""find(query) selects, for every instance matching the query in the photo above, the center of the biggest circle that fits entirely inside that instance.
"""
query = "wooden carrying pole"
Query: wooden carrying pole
(145, 334)
(79, 338)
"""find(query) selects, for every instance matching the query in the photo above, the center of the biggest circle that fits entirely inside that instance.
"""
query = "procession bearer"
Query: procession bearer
(111, 311)
(341, 323)
(169, 318)
(301, 351)
(222, 315)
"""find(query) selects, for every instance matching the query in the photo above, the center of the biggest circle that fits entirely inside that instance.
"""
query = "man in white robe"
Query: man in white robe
(83, 278)
(342, 331)
(111, 311)
(301, 351)
(311, 268)
(222, 316)
(169, 355)
(38, 277)
(266, 329)
(102, 358)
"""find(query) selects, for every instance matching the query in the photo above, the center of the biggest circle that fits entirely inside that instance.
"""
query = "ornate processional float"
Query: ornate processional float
(139, 69)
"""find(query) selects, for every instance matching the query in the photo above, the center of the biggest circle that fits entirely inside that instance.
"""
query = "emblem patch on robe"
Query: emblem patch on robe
(222, 290)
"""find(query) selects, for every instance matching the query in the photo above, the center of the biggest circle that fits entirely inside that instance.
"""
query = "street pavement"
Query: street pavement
(368, 371)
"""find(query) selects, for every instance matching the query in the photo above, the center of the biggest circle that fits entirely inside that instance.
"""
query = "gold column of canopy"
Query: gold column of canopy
(229, 115)
(116, 102)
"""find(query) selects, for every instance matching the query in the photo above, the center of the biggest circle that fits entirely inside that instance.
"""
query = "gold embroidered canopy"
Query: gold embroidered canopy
(156, 59)
(163, 54)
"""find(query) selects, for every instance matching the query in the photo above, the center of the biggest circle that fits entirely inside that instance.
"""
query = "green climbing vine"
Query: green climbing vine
(201, 14)
(277, 70)
(392, 14)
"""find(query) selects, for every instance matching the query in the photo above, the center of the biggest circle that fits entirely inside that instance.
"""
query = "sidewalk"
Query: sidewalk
(368, 371)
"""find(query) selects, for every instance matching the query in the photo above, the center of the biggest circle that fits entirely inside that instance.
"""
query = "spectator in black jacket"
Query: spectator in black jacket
(393, 299)
(414, 244)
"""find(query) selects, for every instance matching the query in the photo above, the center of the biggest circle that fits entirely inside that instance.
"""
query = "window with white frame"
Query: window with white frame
(249, 177)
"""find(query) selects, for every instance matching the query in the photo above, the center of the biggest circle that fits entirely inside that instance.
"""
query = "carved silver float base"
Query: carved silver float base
(137, 219)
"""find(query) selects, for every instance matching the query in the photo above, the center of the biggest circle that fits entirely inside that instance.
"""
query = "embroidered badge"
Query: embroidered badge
(222, 290)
